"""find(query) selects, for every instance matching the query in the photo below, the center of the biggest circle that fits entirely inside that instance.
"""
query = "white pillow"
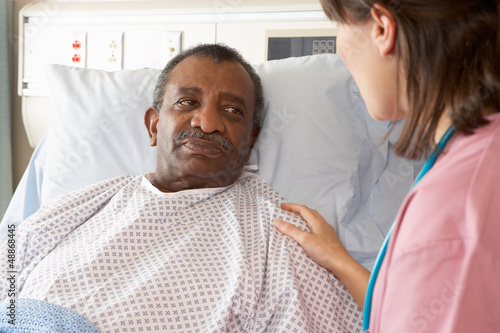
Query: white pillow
(318, 146)
(315, 144)
(97, 127)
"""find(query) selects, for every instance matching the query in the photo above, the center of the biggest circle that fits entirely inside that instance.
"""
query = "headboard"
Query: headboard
(144, 34)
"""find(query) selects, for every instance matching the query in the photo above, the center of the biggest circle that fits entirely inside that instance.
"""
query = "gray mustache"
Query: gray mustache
(213, 137)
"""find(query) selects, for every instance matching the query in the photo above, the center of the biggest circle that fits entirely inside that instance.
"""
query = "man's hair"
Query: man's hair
(219, 53)
(449, 52)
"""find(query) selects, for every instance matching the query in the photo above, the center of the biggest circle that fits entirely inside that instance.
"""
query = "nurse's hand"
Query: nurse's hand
(321, 244)
(324, 247)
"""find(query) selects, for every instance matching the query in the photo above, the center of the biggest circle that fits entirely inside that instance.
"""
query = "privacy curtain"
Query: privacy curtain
(5, 106)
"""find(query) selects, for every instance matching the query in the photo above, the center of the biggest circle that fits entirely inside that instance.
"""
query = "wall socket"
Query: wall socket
(77, 49)
(113, 51)
(171, 45)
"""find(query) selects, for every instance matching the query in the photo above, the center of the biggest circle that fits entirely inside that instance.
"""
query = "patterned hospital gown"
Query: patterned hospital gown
(133, 259)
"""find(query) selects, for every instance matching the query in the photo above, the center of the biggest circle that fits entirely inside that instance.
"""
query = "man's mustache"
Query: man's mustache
(212, 137)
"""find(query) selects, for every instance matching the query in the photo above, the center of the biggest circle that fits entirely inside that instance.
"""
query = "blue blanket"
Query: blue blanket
(29, 315)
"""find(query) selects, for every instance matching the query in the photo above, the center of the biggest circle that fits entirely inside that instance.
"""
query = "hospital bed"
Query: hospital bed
(318, 146)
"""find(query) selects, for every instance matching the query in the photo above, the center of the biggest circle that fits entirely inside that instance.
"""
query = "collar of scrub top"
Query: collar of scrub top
(378, 262)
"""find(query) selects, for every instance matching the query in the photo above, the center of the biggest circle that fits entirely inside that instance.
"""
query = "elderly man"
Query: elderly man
(190, 247)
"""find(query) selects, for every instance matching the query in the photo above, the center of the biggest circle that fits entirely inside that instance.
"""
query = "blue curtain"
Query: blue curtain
(5, 106)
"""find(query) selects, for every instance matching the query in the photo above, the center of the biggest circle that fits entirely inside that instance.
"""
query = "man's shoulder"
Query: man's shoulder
(111, 184)
(253, 182)
(64, 214)
(101, 191)
(266, 196)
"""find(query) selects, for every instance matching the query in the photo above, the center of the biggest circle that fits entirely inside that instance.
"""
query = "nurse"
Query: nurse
(437, 64)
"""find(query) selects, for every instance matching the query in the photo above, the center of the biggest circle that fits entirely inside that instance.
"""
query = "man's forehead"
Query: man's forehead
(190, 74)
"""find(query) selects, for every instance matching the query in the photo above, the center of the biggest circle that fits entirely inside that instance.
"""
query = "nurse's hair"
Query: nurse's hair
(449, 51)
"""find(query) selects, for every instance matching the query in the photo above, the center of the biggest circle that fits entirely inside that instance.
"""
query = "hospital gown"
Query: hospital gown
(130, 258)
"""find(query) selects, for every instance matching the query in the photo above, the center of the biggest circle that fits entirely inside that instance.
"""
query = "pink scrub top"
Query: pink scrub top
(441, 272)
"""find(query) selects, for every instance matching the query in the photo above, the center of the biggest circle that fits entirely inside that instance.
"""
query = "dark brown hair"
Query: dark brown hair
(449, 51)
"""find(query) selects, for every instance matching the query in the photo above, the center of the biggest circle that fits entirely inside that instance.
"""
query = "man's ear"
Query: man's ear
(384, 30)
(151, 118)
(253, 138)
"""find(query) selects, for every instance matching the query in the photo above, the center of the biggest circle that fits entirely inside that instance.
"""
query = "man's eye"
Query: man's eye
(187, 102)
(233, 111)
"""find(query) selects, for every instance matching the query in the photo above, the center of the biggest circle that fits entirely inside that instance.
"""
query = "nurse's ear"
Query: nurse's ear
(383, 30)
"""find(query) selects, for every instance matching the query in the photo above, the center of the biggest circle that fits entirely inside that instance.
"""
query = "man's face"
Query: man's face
(204, 130)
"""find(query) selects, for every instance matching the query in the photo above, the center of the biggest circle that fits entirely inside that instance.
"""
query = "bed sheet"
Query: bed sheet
(27, 197)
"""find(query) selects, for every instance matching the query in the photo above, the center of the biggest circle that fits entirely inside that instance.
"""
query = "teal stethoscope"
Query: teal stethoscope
(373, 277)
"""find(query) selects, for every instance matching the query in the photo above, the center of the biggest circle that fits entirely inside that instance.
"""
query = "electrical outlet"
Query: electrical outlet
(77, 49)
(171, 45)
(113, 51)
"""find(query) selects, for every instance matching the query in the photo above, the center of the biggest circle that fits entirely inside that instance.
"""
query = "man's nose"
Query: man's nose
(209, 119)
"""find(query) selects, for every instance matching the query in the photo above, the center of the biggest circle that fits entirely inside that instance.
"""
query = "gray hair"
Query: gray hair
(219, 53)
